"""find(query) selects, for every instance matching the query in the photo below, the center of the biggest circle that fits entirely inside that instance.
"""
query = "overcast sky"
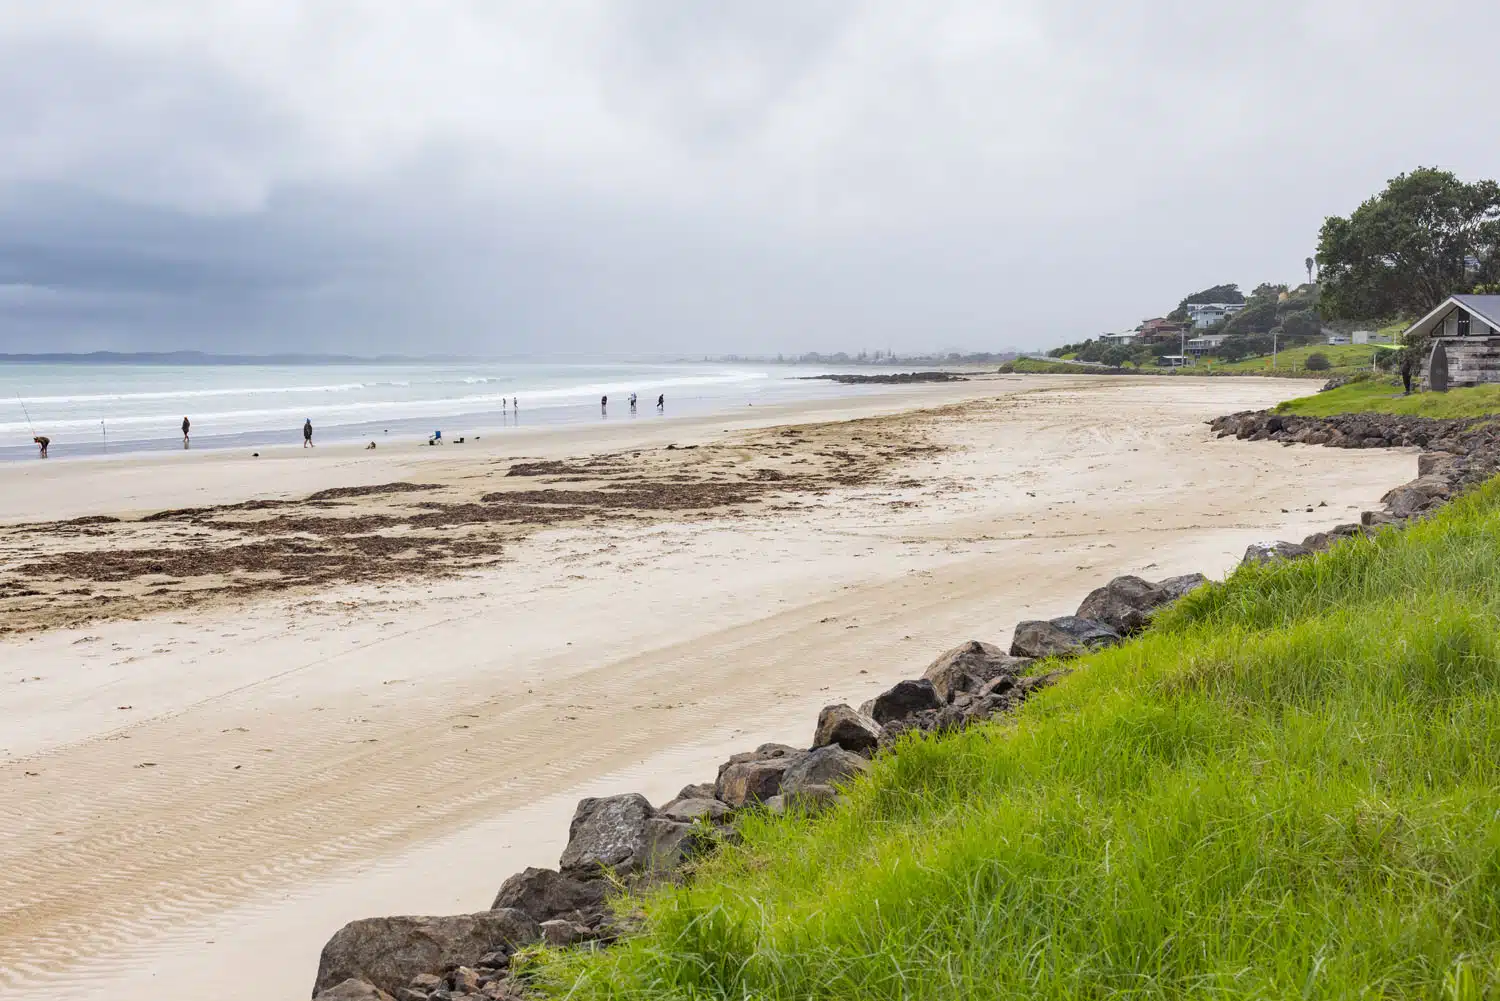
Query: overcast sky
(662, 176)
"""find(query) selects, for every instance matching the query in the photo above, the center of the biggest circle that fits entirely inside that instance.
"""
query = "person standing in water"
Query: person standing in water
(42, 441)
(307, 433)
(603, 406)
(632, 402)
(186, 424)
(661, 402)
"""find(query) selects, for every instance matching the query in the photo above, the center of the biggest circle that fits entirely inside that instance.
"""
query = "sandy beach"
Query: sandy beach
(245, 700)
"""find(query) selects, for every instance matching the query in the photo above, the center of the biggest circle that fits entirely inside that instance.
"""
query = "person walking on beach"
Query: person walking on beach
(186, 424)
(661, 402)
(603, 406)
(307, 433)
(632, 402)
(42, 441)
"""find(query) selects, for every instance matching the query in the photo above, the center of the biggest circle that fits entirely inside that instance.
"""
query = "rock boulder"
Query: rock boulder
(1265, 552)
(388, 952)
(841, 726)
(353, 990)
(826, 766)
(1124, 604)
(1066, 636)
(543, 894)
(904, 699)
(967, 667)
(607, 833)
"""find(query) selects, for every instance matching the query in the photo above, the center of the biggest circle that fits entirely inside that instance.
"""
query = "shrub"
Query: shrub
(1318, 362)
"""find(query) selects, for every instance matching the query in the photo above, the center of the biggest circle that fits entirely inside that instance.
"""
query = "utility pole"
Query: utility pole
(1181, 348)
(1273, 350)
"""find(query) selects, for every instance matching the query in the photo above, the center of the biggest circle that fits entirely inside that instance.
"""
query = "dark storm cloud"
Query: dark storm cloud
(656, 175)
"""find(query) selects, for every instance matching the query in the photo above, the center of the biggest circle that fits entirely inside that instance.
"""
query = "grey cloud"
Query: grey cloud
(655, 175)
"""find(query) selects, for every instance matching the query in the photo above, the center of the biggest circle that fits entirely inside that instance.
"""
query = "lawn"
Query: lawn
(1289, 788)
(1385, 397)
(1344, 358)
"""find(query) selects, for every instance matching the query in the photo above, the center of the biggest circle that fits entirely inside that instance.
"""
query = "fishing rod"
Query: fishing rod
(26, 412)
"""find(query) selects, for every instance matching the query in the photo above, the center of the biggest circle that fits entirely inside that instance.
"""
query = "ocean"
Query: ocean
(94, 409)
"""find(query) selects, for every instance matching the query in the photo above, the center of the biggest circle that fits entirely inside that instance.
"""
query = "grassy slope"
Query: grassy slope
(1380, 396)
(1289, 788)
(1345, 358)
(1034, 366)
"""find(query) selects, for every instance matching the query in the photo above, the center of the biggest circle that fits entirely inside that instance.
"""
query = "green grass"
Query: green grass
(1384, 397)
(1035, 366)
(1289, 788)
(1344, 358)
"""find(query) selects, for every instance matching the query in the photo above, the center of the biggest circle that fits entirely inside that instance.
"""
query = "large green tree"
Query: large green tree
(1428, 235)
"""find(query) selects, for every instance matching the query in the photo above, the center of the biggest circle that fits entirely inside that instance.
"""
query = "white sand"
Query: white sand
(404, 748)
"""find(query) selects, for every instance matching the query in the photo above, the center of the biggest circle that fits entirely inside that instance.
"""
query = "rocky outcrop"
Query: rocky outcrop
(388, 952)
(902, 700)
(353, 990)
(968, 667)
(687, 811)
(544, 894)
(607, 834)
(1065, 636)
(841, 726)
(826, 766)
(754, 776)
(1266, 552)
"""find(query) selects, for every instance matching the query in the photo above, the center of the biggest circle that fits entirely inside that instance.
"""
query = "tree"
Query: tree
(1256, 319)
(1317, 362)
(1308, 264)
(1301, 325)
(1427, 236)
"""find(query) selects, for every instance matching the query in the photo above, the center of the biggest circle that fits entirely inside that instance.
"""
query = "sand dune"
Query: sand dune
(200, 789)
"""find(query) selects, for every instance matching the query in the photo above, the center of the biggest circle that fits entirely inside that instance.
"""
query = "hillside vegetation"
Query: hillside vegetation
(1289, 788)
(1383, 396)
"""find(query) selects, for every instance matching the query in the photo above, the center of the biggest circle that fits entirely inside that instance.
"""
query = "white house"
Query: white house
(1127, 338)
(1465, 336)
(1204, 343)
(1206, 314)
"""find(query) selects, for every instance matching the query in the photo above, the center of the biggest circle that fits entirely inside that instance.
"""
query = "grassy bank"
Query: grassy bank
(1384, 397)
(1034, 366)
(1289, 788)
(1345, 359)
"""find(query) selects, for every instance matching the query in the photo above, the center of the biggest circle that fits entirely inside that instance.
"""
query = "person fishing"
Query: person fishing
(42, 441)
(307, 441)
(186, 424)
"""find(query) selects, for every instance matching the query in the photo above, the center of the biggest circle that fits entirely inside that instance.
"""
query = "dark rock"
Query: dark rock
(560, 934)
(1176, 587)
(429, 982)
(967, 667)
(700, 790)
(826, 766)
(607, 833)
(1377, 519)
(944, 719)
(389, 952)
(688, 810)
(1265, 552)
(1429, 463)
(668, 844)
(543, 894)
(353, 990)
(903, 699)
(1066, 636)
(841, 726)
(747, 779)
(1124, 604)
(464, 981)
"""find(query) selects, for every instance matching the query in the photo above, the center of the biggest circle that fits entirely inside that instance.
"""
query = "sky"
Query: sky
(633, 177)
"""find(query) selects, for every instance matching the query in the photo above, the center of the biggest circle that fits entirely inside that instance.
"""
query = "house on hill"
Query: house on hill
(1159, 328)
(1464, 331)
(1127, 338)
(1206, 314)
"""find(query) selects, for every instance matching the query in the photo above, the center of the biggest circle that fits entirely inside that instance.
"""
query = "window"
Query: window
(1463, 324)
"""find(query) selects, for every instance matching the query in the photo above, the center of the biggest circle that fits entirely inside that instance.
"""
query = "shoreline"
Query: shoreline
(704, 627)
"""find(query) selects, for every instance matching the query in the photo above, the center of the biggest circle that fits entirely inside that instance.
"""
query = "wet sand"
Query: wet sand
(200, 783)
